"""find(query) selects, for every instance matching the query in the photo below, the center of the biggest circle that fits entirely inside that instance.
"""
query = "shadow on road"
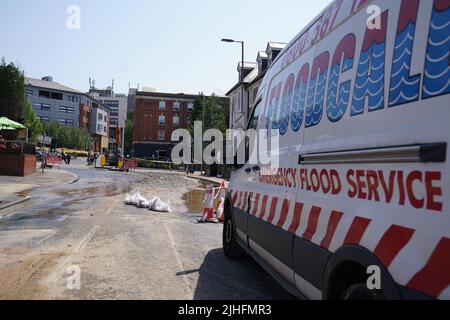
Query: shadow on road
(224, 279)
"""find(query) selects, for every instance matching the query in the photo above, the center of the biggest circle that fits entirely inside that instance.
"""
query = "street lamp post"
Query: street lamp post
(241, 73)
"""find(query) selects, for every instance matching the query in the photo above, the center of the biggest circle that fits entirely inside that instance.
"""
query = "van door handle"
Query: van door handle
(256, 168)
(248, 170)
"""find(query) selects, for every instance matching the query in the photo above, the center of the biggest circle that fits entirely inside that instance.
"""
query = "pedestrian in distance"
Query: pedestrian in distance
(68, 157)
(64, 157)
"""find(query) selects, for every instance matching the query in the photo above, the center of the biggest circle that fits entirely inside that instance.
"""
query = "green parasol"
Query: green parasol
(7, 124)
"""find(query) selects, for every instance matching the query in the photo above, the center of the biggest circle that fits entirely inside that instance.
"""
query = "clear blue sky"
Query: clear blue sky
(172, 45)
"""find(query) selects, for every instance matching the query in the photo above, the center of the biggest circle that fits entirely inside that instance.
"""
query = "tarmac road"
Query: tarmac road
(122, 252)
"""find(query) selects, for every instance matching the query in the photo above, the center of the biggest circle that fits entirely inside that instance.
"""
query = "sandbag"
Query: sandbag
(135, 200)
(154, 204)
(160, 206)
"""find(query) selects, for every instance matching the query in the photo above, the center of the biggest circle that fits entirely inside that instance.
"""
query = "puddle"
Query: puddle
(106, 191)
(23, 193)
(194, 198)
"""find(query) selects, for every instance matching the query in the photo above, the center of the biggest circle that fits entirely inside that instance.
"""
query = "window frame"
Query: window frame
(250, 119)
(173, 121)
(164, 120)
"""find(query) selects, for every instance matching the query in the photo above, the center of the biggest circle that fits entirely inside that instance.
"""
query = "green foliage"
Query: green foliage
(128, 143)
(12, 89)
(31, 122)
(214, 116)
(68, 137)
(196, 113)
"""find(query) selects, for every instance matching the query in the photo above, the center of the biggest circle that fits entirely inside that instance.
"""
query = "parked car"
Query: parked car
(359, 103)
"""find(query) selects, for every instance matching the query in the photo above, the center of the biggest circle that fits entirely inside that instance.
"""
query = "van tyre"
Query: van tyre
(360, 291)
(231, 247)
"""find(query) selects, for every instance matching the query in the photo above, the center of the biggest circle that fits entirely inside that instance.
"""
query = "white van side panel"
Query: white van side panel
(344, 86)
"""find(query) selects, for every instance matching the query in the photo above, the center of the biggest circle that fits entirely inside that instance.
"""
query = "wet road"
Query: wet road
(122, 252)
(52, 204)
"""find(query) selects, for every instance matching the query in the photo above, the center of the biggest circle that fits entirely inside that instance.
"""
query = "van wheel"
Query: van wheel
(231, 247)
(360, 291)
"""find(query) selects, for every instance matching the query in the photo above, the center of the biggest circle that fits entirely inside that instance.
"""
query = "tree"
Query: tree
(129, 127)
(31, 122)
(214, 117)
(219, 119)
(12, 93)
(196, 113)
(68, 137)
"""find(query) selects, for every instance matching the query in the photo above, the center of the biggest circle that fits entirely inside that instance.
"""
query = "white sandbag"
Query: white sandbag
(155, 204)
(144, 204)
(135, 199)
(127, 199)
(151, 202)
(161, 206)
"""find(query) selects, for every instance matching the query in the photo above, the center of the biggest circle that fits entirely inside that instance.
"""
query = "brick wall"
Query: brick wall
(17, 165)
(146, 120)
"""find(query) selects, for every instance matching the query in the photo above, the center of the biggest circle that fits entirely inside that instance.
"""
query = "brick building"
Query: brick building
(156, 116)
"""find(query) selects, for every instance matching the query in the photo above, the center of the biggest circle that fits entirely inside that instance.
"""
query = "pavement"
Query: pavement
(84, 231)
(15, 190)
(213, 180)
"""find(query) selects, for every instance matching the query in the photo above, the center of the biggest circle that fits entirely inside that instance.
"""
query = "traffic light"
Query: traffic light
(53, 145)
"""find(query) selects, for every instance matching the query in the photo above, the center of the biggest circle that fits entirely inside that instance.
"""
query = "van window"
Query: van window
(253, 122)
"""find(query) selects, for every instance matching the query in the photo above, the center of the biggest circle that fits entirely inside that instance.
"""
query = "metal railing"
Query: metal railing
(17, 147)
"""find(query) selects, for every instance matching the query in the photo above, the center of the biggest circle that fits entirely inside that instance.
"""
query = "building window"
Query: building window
(162, 105)
(176, 106)
(161, 134)
(162, 120)
(176, 121)
(66, 109)
(68, 122)
(74, 99)
(45, 106)
(190, 106)
(36, 105)
(29, 92)
(45, 119)
(100, 117)
(99, 128)
(50, 95)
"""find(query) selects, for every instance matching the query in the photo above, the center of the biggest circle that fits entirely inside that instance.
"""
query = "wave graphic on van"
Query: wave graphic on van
(316, 98)
(403, 87)
(335, 110)
(372, 84)
(437, 69)
(298, 105)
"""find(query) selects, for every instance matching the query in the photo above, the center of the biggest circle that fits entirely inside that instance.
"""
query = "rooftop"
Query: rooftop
(52, 85)
(49, 85)
(276, 45)
(262, 55)
(247, 65)
(169, 95)
(252, 75)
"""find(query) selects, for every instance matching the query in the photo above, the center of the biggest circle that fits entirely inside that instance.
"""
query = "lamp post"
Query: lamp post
(241, 73)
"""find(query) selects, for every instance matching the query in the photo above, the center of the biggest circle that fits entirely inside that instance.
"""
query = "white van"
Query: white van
(360, 103)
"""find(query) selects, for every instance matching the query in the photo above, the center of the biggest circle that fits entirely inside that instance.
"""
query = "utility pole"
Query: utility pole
(241, 73)
(203, 134)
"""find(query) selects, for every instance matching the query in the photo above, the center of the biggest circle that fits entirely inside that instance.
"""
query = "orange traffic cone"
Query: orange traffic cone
(220, 207)
(208, 206)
